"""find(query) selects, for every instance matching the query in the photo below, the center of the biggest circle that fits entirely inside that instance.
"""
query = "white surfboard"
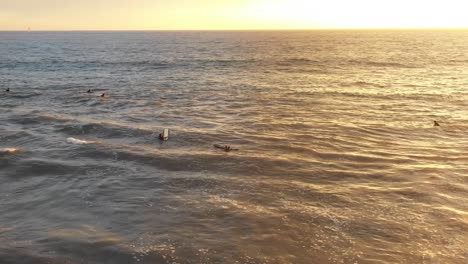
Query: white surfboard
(166, 134)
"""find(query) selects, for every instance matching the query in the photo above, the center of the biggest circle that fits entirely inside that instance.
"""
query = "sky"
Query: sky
(230, 14)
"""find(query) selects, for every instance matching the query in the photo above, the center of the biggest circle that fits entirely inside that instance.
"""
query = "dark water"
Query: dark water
(338, 158)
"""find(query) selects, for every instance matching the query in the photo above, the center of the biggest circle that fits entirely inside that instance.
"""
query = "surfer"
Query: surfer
(89, 91)
(436, 123)
(164, 135)
(225, 148)
(103, 95)
(7, 90)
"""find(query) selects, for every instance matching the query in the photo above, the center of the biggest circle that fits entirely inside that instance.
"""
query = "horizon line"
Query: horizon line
(227, 30)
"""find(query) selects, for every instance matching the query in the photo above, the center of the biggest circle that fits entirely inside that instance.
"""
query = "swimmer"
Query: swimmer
(7, 90)
(225, 148)
(103, 95)
(436, 123)
(89, 91)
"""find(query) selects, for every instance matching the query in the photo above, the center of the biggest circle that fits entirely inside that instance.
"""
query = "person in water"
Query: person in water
(436, 123)
(7, 90)
(225, 148)
(103, 95)
(89, 91)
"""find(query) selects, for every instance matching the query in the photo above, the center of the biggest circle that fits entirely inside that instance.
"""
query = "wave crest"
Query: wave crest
(80, 141)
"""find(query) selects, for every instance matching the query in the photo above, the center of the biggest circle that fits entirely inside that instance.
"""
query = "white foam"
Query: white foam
(79, 141)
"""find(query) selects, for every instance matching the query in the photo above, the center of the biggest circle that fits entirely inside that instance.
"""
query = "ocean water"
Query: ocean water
(338, 160)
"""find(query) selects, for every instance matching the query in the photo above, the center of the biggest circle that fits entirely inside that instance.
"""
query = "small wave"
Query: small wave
(24, 95)
(462, 61)
(365, 84)
(36, 65)
(298, 62)
(382, 64)
(302, 70)
(78, 126)
(80, 141)
(303, 60)
(246, 207)
(54, 118)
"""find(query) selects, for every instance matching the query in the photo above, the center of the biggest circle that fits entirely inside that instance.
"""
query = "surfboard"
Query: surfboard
(166, 134)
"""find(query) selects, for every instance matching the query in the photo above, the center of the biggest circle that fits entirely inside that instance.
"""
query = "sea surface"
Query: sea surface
(338, 160)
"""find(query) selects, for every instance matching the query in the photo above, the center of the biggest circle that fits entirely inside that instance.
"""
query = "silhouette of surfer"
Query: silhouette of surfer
(103, 95)
(7, 90)
(436, 124)
(225, 148)
(89, 91)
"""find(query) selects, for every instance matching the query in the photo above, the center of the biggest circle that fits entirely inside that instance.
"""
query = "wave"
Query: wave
(83, 63)
(156, 64)
(326, 63)
(98, 129)
(68, 245)
(32, 167)
(74, 126)
(302, 70)
(461, 61)
(299, 62)
(365, 84)
(187, 159)
(307, 60)
(144, 64)
(383, 64)
(21, 94)
(80, 141)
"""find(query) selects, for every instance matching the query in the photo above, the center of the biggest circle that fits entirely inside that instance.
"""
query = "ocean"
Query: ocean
(338, 158)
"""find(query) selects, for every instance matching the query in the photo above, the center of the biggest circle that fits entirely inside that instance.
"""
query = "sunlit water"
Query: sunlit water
(338, 158)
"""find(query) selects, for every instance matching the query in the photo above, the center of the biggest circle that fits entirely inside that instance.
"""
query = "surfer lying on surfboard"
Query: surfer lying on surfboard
(225, 148)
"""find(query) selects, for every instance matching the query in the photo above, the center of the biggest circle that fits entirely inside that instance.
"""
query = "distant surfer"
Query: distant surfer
(89, 91)
(164, 135)
(225, 148)
(7, 90)
(103, 95)
(436, 124)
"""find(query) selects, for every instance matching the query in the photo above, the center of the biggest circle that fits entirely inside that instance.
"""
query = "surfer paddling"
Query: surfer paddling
(225, 148)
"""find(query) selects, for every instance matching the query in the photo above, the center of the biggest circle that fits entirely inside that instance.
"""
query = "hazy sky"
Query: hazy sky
(229, 14)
